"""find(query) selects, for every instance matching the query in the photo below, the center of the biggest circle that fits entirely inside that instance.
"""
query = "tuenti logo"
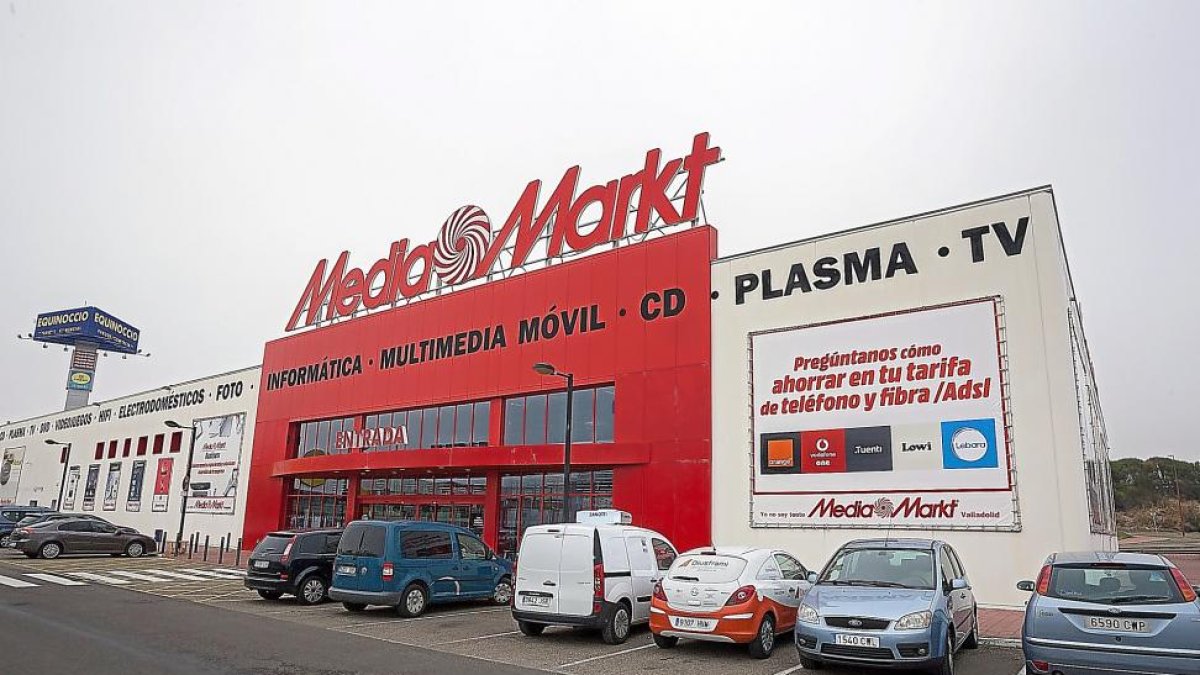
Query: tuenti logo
(909, 507)
(466, 248)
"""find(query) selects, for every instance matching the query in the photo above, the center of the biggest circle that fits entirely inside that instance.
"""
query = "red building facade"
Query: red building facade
(433, 411)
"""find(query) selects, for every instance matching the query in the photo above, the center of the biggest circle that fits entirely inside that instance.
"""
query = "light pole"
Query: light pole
(543, 368)
(65, 458)
(1178, 497)
(187, 479)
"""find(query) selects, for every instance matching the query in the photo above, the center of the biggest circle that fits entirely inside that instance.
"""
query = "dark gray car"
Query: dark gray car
(79, 535)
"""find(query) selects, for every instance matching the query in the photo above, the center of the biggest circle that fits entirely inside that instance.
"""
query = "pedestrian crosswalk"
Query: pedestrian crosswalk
(119, 577)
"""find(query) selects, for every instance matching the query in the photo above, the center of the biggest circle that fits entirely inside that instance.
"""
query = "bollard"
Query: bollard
(206, 548)
(191, 545)
(238, 553)
(221, 552)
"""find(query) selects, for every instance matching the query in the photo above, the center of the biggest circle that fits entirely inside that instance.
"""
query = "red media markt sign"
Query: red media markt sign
(466, 249)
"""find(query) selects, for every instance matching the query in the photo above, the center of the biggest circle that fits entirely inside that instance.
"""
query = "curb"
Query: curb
(1011, 643)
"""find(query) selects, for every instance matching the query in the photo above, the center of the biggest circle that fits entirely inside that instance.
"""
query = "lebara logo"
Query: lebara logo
(970, 444)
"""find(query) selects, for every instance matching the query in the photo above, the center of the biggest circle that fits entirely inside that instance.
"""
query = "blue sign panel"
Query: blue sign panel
(87, 324)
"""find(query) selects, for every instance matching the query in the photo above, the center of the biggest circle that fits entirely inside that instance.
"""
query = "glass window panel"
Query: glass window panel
(478, 485)
(408, 486)
(552, 511)
(446, 425)
(479, 423)
(394, 486)
(335, 429)
(583, 416)
(425, 486)
(426, 512)
(442, 486)
(556, 418)
(399, 421)
(462, 424)
(428, 427)
(605, 400)
(510, 485)
(535, 419)
(299, 445)
(413, 424)
(554, 483)
(602, 481)
(581, 481)
(602, 503)
(531, 483)
(323, 436)
(372, 422)
(462, 486)
(531, 511)
(514, 418)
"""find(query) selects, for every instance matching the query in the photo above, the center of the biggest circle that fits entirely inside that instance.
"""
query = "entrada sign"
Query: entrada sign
(466, 249)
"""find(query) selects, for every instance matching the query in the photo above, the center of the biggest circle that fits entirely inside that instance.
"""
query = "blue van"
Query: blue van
(412, 564)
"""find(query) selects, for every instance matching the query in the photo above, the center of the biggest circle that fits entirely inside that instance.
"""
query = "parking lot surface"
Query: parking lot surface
(475, 630)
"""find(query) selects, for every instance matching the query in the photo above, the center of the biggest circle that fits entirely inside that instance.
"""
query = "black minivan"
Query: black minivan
(296, 563)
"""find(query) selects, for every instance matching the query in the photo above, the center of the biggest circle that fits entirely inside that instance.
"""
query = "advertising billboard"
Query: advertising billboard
(213, 482)
(888, 421)
(10, 474)
(89, 488)
(72, 489)
(137, 476)
(162, 484)
(89, 325)
(112, 486)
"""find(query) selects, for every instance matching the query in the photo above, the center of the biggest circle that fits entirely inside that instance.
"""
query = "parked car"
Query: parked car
(296, 563)
(889, 603)
(11, 515)
(1111, 612)
(741, 595)
(38, 518)
(593, 575)
(410, 565)
(53, 538)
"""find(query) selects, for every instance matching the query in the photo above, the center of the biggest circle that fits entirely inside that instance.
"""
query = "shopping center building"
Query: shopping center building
(927, 376)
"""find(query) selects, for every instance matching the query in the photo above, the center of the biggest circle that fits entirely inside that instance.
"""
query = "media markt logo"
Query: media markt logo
(970, 444)
(909, 508)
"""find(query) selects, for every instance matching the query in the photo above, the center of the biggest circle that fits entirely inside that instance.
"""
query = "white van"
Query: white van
(589, 574)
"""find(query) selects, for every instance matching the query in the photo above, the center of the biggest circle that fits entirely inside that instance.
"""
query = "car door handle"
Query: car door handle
(549, 583)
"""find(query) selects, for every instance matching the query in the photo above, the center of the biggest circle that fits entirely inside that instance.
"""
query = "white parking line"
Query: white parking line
(606, 656)
(137, 576)
(98, 577)
(480, 637)
(789, 670)
(176, 575)
(446, 615)
(56, 580)
(16, 583)
(212, 573)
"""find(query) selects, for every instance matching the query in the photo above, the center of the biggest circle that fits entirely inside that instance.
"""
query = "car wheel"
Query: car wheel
(616, 629)
(665, 641)
(972, 641)
(946, 667)
(135, 549)
(413, 601)
(810, 664)
(531, 629)
(504, 592)
(764, 642)
(4, 541)
(50, 551)
(312, 590)
(354, 606)
(269, 595)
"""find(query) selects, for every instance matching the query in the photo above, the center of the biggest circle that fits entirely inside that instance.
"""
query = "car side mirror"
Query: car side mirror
(1026, 586)
(812, 577)
(959, 584)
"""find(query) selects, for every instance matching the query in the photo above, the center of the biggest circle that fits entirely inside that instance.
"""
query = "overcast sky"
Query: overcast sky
(183, 165)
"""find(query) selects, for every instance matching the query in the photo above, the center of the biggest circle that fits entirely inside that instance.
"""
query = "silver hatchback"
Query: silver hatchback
(1107, 612)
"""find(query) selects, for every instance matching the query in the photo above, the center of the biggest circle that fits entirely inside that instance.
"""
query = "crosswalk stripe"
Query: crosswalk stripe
(135, 575)
(240, 573)
(16, 583)
(56, 580)
(98, 577)
(176, 575)
(217, 574)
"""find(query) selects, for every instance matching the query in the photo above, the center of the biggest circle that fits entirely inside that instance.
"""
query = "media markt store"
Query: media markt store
(419, 399)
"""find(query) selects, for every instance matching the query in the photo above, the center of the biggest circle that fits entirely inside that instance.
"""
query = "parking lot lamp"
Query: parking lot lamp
(543, 368)
(187, 478)
(65, 459)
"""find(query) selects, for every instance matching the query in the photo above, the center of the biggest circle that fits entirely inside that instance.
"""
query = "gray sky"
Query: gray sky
(184, 165)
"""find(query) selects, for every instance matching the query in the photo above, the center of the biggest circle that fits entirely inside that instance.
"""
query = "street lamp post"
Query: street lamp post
(543, 368)
(187, 479)
(66, 460)
(1178, 497)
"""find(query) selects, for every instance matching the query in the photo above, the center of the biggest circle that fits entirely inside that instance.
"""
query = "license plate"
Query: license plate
(535, 600)
(346, 569)
(1117, 624)
(856, 640)
(261, 564)
(693, 623)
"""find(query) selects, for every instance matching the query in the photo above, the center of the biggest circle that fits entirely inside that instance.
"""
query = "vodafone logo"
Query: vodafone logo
(969, 444)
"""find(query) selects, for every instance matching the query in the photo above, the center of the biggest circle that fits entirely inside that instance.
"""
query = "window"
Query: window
(126, 447)
(583, 416)
(514, 418)
(312, 544)
(176, 441)
(1114, 585)
(112, 449)
(363, 540)
(910, 568)
(604, 415)
(158, 444)
(425, 545)
(470, 548)
(331, 544)
(770, 571)
(791, 568)
(99, 527)
(462, 424)
(947, 568)
(321, 437)
(429, 428)
(663, 553)
(556, 420)
(959, 571)
(538, 419)
(75, 526)
(141, 446)
(445, 426)
(536, 498)
(317, 502)
(480, 423)
(535, 420)
(100, 450)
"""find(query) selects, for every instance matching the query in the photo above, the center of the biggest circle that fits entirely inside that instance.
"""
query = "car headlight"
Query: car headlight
(915, 621)
(808, 615)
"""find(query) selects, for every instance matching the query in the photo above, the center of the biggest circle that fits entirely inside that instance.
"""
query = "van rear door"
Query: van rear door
(359, 562)
(537, 571)
(577, 582)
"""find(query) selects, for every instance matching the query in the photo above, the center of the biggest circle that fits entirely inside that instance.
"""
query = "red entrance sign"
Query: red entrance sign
(465, 248)
(370, 438)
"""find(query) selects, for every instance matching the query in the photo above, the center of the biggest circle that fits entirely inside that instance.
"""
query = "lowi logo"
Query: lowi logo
(909, 507)
(466, 247)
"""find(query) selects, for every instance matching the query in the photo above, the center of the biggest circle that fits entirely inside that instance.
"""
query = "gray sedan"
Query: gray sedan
(79, 535)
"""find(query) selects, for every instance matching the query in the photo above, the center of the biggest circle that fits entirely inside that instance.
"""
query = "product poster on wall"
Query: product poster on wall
(72, 488)
(162, 484)
(89, 488)
(213, 482)
(136, 477)
(112, 486)
(10, 474)
(888, 421)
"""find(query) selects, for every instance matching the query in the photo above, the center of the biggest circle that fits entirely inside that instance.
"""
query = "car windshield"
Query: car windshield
(1114, 584)
(887, 568)
(707, 569)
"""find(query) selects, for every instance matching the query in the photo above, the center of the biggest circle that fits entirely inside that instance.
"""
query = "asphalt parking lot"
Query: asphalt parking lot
(475, 630)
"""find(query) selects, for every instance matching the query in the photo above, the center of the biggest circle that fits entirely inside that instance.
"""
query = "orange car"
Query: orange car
(739, 595)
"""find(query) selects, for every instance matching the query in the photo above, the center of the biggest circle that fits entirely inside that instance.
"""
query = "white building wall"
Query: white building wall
(1035, 289)
(132, 417)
